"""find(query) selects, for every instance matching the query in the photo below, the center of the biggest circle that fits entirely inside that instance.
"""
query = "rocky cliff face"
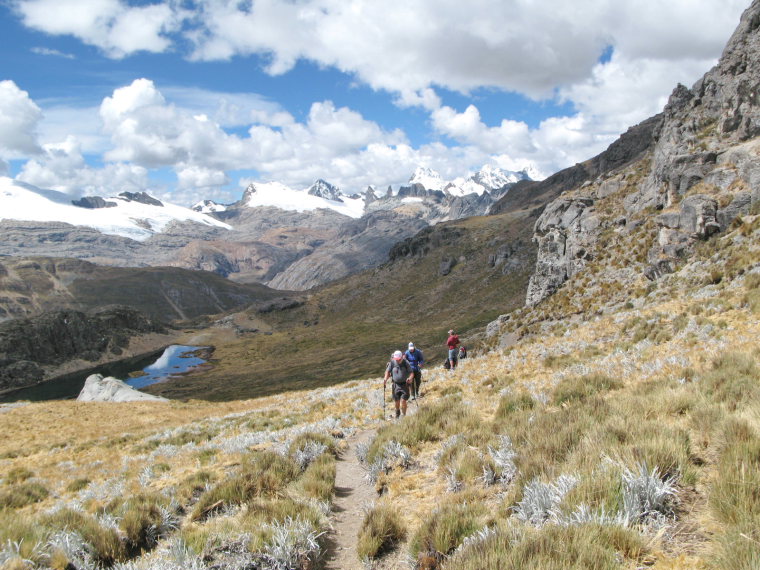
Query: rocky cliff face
(30, 347)
(698, 169)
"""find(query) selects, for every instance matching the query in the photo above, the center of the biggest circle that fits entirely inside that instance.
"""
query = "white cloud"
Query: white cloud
(19, 116)
(410, 50)
(63, 168)
(193, 176)
(406, 47)
(52, 52)
(111, 25)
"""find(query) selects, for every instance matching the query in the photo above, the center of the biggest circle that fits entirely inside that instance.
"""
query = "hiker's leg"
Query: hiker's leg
(403, 407)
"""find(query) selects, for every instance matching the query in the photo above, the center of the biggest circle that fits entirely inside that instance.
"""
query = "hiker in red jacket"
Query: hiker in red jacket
(452, 343)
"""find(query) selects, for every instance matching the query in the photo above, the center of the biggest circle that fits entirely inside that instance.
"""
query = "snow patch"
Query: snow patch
(280, 196)
(130, 219)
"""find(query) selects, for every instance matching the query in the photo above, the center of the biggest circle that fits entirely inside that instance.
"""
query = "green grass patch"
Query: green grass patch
(23, 494)
(318, 481)
(446, 527)
(381, 530)
(552, 548)
(264, 474)
(580, 388)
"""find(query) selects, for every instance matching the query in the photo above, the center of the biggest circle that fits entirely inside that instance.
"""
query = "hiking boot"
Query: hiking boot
(398, 413)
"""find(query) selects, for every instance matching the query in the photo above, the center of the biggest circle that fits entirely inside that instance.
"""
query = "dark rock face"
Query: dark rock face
(141, 197)
(325, 190)
(27, 345)
(425, 240)
(93, 202)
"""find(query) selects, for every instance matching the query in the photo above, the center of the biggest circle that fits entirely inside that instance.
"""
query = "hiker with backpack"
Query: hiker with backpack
(415, 357)
(452, 343)
(402, 374)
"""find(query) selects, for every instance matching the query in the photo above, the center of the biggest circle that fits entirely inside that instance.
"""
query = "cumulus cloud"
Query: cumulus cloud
(410, 50)
(62, 167)
(147, 130)
(111, 25)
(19, 116)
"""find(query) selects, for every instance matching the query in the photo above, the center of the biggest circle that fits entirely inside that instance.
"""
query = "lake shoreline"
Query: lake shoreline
(67, 386)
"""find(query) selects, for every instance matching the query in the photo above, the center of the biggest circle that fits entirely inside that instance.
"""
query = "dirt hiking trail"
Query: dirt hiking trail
(353, 493)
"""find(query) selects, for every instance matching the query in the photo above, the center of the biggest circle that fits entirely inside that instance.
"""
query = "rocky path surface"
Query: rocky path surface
(352, 493)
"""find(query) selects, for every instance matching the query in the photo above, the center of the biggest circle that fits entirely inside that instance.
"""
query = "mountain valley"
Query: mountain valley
(608, 415)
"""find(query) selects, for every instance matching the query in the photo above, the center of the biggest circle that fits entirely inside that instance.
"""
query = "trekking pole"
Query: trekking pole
(384, 400)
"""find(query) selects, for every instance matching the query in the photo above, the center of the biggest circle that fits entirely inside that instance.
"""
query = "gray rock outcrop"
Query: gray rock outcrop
(565, 233)
(703, 173)
(109, 389)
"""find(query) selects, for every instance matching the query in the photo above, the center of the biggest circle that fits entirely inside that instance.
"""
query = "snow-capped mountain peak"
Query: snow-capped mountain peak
(323, 189)
(275, 194)
(428, 177)
(208, 207)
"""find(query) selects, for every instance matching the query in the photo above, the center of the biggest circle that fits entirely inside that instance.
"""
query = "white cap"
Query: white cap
(411, 345)
(398, 355)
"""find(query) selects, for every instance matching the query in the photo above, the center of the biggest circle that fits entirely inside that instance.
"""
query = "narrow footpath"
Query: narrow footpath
(352, 494)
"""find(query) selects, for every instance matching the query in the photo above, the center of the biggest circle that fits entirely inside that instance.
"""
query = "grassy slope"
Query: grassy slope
(35, 284)
(670, 379)
(348, 328)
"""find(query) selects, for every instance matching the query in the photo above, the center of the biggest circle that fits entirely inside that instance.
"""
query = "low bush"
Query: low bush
(431, 423)
(23, 494)
(193, 486)
(734, 379)
(264, 474)
(77, 485)
(446, 527)
(318, 481)
(580, 388)
(381, 529)
(144, 519)
(512, 403)
(17, 475)
(103, 542)
(551, 548)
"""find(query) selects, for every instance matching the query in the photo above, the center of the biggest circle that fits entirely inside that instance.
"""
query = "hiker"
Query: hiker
(415, 357)
(403, 375)
(462, 352)
(452, 343)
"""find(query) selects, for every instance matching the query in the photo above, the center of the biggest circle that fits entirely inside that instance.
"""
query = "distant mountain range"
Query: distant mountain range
(275, 235)
(489, 180)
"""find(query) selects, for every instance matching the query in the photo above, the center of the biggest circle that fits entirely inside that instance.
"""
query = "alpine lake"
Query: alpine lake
(138, 372)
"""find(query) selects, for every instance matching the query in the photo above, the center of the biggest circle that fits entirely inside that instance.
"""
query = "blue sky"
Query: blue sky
(194, 99)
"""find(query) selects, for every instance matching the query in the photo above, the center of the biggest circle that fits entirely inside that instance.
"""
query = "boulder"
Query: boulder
(99, 389)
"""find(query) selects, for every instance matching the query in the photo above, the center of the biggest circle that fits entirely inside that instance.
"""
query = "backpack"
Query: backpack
(447, 364)
(395, 369)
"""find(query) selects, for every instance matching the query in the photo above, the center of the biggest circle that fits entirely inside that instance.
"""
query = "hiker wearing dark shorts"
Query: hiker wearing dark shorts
(415, 357)
(453, 343)
(402, 374)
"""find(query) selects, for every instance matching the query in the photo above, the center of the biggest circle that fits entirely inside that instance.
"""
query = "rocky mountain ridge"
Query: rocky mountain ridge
(695, 170)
